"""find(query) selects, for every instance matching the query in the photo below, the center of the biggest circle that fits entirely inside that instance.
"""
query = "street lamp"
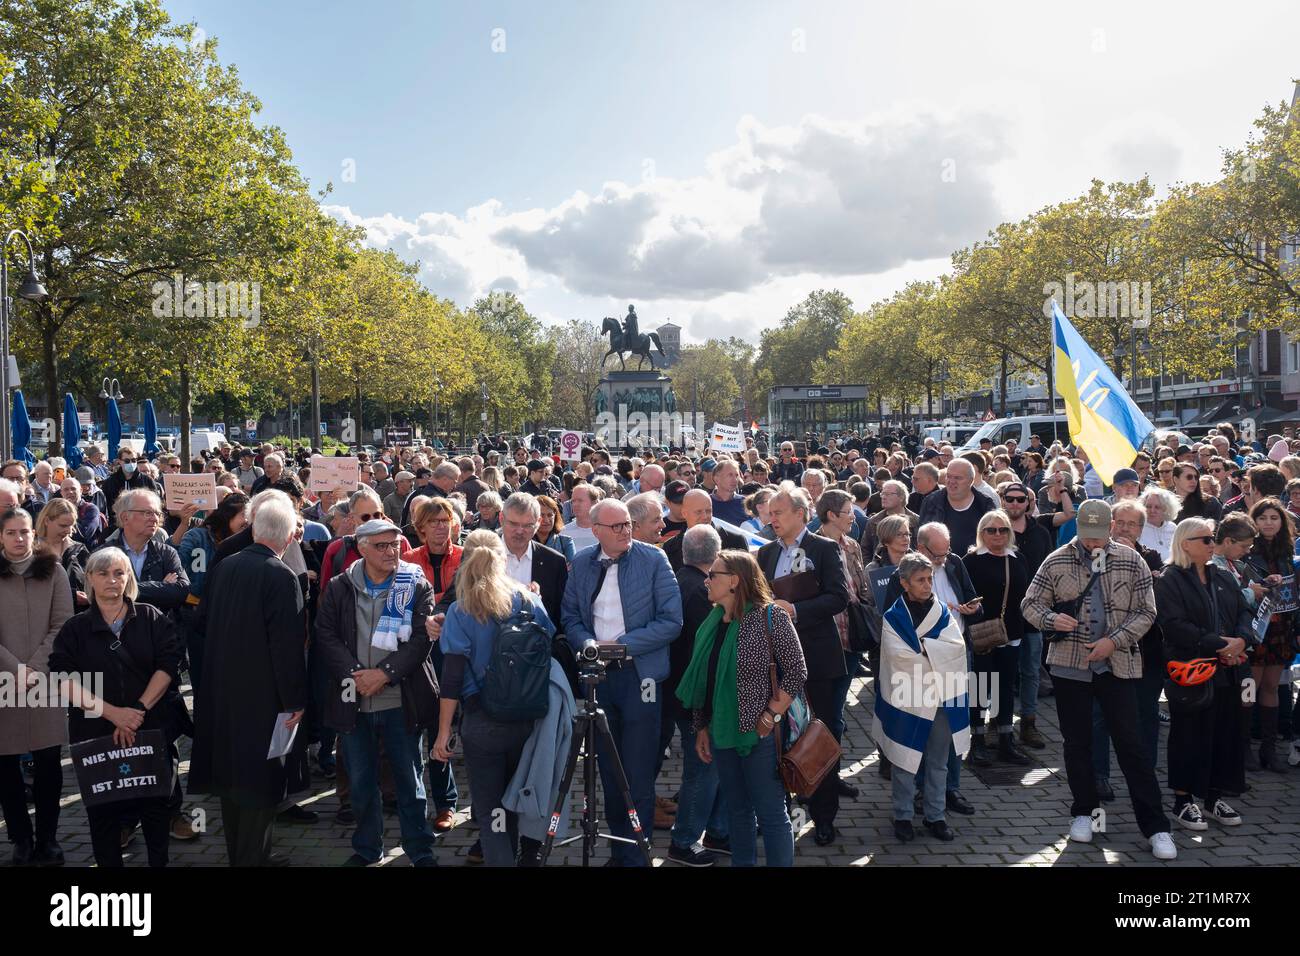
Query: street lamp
(31, 290)
(111, 388)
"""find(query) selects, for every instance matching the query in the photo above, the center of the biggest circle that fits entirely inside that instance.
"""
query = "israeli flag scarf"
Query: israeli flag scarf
(913, 684)
(394, 624)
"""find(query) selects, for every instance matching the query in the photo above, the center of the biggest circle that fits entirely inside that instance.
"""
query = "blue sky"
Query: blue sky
(714, 162)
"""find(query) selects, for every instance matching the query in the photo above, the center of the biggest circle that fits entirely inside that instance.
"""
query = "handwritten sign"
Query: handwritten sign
(107, 773)
(571, 446)
(334, 474)
(181, 490)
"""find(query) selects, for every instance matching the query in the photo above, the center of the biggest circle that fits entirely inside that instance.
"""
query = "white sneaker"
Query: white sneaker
(1190, 817)
(1226, 816)
(1162, 847)
(1081, 830)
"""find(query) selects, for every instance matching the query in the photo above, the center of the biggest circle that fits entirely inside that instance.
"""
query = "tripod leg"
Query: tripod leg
(620, 778)
(579, 735)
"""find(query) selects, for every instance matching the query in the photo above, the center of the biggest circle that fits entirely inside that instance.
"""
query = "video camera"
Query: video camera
(595, 655)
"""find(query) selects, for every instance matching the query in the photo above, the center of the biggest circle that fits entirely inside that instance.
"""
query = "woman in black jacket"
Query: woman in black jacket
(134, 647)
(1201, 612)
(1187, 486)
(1000, 579)
(54, 533)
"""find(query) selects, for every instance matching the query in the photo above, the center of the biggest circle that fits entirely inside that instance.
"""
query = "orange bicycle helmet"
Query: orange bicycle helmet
(1193, 672)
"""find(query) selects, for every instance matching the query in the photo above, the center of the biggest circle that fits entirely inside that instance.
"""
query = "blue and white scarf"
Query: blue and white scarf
(395, 623)
(913, 685)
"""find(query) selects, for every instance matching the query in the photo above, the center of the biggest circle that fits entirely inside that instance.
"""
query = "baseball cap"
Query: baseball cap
(537, 464)
(676, 491)
(84, 474)
(930, 453)
(376, 526)
(403, 476)
(1124, 475)
(708, 464)
(1011, 487)
(1094, 516)
(424, 473)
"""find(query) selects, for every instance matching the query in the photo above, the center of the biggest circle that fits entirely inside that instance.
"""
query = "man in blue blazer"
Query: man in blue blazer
(624, 591)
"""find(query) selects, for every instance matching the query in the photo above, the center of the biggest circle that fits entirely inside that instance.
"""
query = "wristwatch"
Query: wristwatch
(776, 718)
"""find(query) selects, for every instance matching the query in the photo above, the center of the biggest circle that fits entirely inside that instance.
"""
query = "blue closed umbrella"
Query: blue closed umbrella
(22, 430)
(71, 432)
(114, 428)
(151, 446)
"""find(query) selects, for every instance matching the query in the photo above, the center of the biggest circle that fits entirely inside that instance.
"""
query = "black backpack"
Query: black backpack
(516, 684)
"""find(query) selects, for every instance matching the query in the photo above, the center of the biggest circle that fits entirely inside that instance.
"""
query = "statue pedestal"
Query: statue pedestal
(637, 408)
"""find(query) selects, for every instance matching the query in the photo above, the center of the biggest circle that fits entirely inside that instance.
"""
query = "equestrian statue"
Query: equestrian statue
(628, 339)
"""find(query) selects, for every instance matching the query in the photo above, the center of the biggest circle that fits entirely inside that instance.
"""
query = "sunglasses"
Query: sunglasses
(997, 530)
(1203, 538)
(365, 517)
(1015, 499)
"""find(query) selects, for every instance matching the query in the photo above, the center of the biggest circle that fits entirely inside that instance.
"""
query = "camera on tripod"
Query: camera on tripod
(595, 656)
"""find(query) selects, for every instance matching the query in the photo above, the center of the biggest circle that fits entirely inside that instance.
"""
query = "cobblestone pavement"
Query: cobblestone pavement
(1021, 822)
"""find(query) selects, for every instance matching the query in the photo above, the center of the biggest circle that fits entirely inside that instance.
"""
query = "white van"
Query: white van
(205, 441)
(1047, 427)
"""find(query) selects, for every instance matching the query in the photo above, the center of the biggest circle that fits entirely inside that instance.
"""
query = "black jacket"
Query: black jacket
(160, 560)
(117, 482)
(148, 645)
(255, 668)
(409, 665)
(960, 582)
(730, 541)
(74, 563)
(696, 606)
(1193, 617)
(815, 618)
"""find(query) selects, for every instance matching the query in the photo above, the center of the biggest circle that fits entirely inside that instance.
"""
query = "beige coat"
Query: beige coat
(32, 610)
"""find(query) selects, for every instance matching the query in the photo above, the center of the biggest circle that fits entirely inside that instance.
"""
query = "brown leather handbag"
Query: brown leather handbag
(987, 635)
(810, 758)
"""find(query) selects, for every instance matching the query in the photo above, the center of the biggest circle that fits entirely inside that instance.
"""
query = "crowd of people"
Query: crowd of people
(372, 627)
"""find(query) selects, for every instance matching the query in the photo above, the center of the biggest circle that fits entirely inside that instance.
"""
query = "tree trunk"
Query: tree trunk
(358, 425)
(314, 438)
(50, 364)
(187, 409)
(929, 389)
(1002, 387)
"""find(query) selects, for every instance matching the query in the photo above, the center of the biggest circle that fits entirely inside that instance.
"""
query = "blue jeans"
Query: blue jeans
(701, 807)
(361, 750)
(755, 801)
(954, 762)
(442, 779)
(935, 783)
(1031, 672)
(634, 724)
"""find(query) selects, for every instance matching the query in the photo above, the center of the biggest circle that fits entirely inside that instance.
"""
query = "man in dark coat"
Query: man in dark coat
(697, 509)
(255, 671)
(127, 476)
(818, 599)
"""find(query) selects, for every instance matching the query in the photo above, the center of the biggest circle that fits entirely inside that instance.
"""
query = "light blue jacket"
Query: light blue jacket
(533, 789)
(652, 605)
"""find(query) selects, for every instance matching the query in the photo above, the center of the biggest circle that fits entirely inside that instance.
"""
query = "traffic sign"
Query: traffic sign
(220, 428)
(250, 424)
(234, 431)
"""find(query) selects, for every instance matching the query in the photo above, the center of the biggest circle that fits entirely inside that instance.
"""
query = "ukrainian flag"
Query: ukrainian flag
(1104, 421)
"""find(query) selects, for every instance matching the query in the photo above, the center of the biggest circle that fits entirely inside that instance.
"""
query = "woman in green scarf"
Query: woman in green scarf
(728, 689)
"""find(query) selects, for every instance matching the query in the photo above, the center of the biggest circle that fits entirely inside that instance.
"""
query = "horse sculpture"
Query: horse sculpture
(639, 345)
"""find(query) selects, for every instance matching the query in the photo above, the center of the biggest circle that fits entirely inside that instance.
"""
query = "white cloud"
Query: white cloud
(811, 205)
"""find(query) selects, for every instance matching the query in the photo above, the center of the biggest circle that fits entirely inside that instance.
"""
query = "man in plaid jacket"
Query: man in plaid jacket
(1094, 600)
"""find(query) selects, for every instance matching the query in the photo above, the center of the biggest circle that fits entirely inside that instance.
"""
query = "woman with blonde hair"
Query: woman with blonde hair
(735, 709)
(55, 526)
(486, 595)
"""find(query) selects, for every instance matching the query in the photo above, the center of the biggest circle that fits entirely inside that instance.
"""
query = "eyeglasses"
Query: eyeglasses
(1203, 538)
(710, 575)
(383, 546)
(1015, 499)
(144, 511)
(998, 530)
(623, 527)
(377, 514)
